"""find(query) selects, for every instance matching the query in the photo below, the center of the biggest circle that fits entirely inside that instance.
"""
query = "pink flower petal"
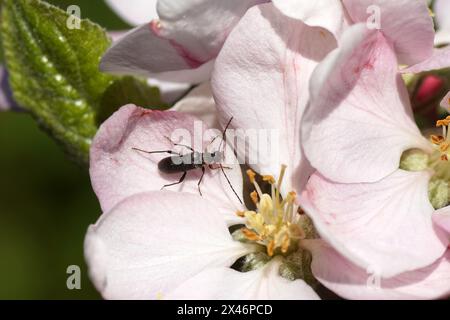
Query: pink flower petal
(261, 79)
(442, 218)
(406, 23)
(200, 103)
(226, 284)
(439, 60)
(6, 99)
(188, 35)
(142, 52)
(152, 242)
(446, 102)
(134, 12)
(359, 121)
(328, 14)
(170, 90)
(386, 226)
(352, 282)
(117, 171)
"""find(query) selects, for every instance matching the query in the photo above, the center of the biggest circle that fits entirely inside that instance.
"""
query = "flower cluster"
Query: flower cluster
(359, 199)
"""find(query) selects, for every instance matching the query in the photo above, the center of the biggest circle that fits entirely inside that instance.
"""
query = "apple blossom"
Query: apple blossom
(377, 176)
(153, 244)
(119, 174)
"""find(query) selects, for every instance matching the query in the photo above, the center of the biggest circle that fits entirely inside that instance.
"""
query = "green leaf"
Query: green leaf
(54, 70)
(129, 90)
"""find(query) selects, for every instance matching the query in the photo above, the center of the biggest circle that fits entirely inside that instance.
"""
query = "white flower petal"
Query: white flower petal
(134, 12)
(386, 226)
(226, 284)
(152, 242)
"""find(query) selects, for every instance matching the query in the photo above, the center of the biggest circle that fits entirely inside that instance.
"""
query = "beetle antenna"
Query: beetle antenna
(225, 132)
(229, 182)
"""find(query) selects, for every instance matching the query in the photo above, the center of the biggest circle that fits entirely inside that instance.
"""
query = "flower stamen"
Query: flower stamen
(442, 142)
(275, 223)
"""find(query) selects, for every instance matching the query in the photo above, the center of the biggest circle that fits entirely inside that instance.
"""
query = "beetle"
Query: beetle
(194, 160)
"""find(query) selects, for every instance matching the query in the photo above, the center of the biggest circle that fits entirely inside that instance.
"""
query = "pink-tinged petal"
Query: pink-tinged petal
(328, 14)
(359, 121)
(374, 224)
(442, 218)
(406, 23)
(441, 9)
(445, 103)
(261, 79)
(6, 99)
(351, 282)
(189, 34)
(134, 12)
(226, 284)
(142, 52)
(442, 38)
(200, 27)
(152, 242)
(170, 90)
(439, 60)
(117, 171)
(200, 103)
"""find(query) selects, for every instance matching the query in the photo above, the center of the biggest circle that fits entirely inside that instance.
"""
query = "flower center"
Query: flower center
(276, 223)
(438, 162)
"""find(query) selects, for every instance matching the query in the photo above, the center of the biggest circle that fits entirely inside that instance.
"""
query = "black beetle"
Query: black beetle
(179, 163)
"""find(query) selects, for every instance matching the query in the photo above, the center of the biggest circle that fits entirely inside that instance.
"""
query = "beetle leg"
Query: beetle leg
(175, 183)
(200, 181)
(160, 151)
(212, 167)
(179, 144)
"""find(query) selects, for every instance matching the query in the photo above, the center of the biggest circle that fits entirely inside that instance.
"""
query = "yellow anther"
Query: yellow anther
(443, 147)
(254, 197)
(430, 12)
(443, 123)
(291, 196)
(285, 244)
(270, 248)
(251, 175)
(240, 214)
(250, 235)
(269, 179)
(436, 139)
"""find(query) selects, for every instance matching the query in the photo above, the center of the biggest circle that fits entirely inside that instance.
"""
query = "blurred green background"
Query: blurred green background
(46, 201)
